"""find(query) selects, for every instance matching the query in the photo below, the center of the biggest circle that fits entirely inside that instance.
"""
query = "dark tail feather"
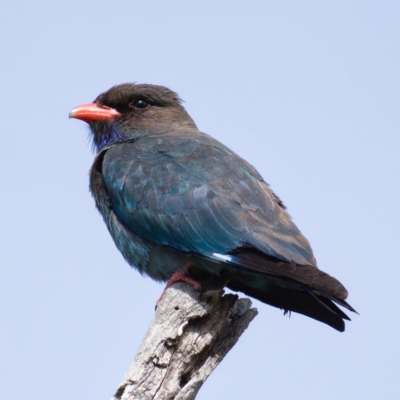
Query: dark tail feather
(343, 303)
(328, 303)
(303, 301)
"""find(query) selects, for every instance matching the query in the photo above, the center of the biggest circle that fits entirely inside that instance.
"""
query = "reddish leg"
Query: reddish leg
(180, 276)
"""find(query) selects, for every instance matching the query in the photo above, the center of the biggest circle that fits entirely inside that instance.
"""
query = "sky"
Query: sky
(307, 92)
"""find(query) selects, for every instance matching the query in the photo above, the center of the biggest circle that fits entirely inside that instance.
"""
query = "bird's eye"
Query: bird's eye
(140, 103)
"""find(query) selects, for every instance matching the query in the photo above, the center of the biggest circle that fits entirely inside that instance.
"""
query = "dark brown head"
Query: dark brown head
(129, 111)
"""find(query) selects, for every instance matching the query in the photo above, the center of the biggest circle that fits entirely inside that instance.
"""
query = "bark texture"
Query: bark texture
(188, 337)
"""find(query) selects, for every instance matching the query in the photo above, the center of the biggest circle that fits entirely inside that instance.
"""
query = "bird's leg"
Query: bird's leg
(180, 276)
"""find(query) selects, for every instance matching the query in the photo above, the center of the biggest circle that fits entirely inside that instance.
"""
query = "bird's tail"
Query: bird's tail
(303, 300)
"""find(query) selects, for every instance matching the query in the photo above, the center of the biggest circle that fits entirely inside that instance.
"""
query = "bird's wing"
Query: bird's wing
(193, 193)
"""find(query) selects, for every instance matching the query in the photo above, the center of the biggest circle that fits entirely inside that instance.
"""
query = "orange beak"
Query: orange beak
(93, 112)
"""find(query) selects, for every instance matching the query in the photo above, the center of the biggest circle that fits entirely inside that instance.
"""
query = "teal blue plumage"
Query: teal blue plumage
(174, 198)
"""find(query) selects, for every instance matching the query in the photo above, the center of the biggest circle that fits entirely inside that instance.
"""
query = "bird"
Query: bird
(181, 206)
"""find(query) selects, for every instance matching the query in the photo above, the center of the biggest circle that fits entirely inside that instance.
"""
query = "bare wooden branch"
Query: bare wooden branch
(188, 337)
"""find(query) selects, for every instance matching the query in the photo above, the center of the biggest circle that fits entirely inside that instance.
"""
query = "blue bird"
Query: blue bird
(180, 205)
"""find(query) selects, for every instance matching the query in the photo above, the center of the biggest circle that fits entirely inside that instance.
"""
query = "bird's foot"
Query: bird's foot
(180, 276)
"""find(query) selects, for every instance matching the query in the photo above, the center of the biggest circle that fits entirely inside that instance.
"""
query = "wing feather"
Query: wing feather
(197, 195)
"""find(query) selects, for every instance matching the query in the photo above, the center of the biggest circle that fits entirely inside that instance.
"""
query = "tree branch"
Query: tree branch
(188, 337)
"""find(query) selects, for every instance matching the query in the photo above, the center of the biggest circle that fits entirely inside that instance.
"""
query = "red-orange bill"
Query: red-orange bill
(93, 112)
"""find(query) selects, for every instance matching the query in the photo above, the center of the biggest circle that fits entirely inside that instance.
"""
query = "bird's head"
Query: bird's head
(130, 111)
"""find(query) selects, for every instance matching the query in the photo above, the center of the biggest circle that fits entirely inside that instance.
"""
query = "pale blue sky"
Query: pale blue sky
(307, 91)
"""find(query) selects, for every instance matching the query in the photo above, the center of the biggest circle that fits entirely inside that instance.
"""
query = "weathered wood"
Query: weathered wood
(188, 337)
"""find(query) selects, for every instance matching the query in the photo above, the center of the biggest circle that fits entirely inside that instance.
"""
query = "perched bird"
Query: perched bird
(182, 206)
